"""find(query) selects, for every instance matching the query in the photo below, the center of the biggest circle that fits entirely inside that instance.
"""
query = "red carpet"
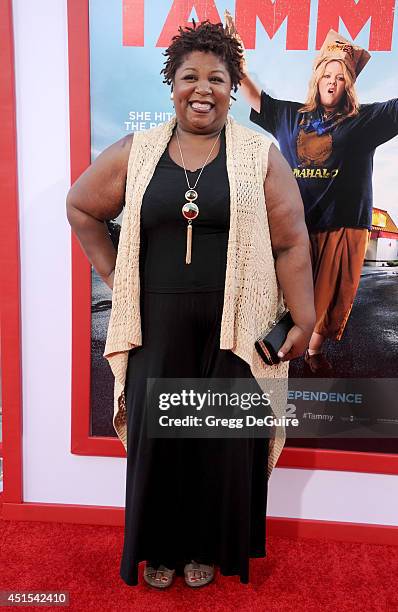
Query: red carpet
(298, 575)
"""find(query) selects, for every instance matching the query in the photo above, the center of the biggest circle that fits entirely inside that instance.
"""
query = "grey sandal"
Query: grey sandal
(161, 578)
(195, 581)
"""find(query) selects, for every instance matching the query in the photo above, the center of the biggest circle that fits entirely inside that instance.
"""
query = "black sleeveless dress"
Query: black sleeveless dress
(202, 499)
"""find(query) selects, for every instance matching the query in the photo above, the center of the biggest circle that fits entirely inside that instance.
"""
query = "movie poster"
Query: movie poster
(127, 41)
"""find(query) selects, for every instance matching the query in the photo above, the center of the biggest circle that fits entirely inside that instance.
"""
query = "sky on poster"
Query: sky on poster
(126, 80)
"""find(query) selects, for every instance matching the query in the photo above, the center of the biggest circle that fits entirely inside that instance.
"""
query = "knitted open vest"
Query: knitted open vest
(252, 296)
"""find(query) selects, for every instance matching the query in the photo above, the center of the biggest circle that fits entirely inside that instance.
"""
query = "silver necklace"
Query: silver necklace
(190, 210)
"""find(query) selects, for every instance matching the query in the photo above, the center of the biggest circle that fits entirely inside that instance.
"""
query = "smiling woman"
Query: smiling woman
(201, 93)
(202, 68)
(190, 303)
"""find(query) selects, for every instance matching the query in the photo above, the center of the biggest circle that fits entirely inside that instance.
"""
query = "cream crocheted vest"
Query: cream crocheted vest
(252, 297)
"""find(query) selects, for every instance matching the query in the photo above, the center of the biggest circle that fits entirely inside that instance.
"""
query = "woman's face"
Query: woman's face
(331, 85)
(201, 88)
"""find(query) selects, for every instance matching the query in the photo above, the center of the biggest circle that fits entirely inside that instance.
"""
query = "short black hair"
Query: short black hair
(207, 37)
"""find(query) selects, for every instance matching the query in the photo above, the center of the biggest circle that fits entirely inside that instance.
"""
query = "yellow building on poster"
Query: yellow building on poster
(383, 243)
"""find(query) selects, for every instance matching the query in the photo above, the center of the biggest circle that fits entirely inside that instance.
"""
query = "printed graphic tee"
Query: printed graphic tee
(333, 169)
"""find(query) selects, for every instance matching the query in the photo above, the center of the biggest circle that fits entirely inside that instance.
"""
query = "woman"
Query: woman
(190, 296)
(329, 143)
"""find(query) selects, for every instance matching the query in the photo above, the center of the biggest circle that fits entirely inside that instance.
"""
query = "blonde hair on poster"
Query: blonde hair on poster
(349, 103)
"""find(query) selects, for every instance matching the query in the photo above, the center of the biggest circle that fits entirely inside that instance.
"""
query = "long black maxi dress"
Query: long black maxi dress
(202, 499)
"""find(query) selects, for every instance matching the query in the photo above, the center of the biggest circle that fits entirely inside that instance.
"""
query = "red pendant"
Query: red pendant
(190, 211)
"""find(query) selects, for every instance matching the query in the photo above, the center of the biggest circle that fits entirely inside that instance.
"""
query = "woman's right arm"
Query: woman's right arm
(98, 196)
(251, 92)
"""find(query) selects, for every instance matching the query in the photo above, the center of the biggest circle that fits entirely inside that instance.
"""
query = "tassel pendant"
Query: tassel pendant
(189, 211)
(189, 243)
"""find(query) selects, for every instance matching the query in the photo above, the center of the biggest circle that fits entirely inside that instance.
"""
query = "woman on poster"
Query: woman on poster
(191, 295)
(329, 142)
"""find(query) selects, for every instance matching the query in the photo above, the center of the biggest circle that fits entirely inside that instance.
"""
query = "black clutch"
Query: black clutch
(269, 343)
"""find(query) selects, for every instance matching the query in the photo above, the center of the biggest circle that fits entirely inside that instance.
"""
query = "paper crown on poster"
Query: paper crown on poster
(336, 47)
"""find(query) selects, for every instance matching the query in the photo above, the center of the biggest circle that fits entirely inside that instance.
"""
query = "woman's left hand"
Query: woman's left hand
(296, 342)
(291, 248)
